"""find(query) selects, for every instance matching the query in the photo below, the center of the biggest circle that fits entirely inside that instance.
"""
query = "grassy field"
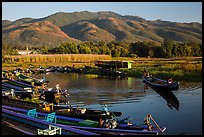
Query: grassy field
(25, 61)
(187, 69)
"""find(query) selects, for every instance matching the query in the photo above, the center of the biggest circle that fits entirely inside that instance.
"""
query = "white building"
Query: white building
(24, 52)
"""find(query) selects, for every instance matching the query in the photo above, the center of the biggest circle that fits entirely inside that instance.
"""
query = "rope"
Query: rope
(106, 109)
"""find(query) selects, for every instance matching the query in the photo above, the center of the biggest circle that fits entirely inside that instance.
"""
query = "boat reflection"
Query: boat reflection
(111, 77)
(171, 99)
(167, 94)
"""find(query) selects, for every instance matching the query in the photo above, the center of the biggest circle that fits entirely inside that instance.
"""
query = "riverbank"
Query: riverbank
(185, 68)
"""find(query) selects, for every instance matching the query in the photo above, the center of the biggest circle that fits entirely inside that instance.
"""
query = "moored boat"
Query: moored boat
(111, 72)
(17, 83)
(161, 84)
(64, 111)
(30, 80)
(94, 126)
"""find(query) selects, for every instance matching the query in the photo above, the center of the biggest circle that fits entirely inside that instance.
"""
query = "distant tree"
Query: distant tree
(116, 52)
(84, 49)
(44, 49)
(73, 48)
(168, 45)
(7, 50)
(196, 49)
(94, 50)
(104, 50)
(176, 51)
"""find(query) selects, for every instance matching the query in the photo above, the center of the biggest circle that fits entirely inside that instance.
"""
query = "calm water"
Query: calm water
(128, 96)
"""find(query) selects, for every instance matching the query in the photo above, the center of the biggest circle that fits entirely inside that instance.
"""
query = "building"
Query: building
(24, 52)
(114, 64)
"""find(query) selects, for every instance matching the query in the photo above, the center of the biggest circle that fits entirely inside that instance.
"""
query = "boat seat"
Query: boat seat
(50, 117)
(52, 130)
(32, 113)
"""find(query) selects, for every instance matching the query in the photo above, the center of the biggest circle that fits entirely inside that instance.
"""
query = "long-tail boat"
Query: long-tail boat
(94, 126)
(160, 84)
(17, 83)
(64, 111)
(30, 80)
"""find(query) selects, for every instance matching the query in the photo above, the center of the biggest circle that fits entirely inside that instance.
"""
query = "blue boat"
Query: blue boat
(160, 84)
(100, 130)
(19, 83)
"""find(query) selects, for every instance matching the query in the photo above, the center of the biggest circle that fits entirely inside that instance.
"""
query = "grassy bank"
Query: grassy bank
(187, 69)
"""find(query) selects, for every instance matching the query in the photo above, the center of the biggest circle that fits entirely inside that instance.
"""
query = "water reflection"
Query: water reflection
(168, 95)
(93, 89)
(170, 98)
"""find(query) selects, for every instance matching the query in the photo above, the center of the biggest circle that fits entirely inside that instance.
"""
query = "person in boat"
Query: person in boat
(146, 73)
(170, 80)
(108, 123)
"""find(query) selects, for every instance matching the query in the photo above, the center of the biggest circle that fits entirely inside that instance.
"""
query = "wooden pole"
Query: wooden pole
(156, 124)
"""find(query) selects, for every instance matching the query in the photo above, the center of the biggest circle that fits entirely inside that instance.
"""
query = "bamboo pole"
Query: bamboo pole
(156, 124)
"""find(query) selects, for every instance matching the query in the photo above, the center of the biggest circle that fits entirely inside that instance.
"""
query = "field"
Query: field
(25, 61)
(188, 68)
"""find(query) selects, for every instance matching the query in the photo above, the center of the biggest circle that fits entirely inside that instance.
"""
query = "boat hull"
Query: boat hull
(92, 126)
(160, 84)
(64, 111)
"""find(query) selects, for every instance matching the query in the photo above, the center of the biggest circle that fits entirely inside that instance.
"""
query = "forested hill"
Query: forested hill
(95, 26)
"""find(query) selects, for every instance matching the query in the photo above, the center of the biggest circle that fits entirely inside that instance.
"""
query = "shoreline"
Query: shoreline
(180, 69)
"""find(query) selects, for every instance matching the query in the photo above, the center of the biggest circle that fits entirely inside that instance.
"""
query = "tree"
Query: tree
(115, 52)
(104, 50)
(83, 49)
(95, 50)
(44, 49)
(168, 45)
(73, 48)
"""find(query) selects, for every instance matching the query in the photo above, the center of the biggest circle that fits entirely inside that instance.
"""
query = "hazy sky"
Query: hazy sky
(169, 11)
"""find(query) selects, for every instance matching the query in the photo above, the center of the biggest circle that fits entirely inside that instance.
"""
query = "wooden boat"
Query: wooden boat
(10, 90)
(93, 126)
(50, 69)
(69, 111)
(35, 123)
(111, 72)
(76, 70)
(160, 84)
(17, 83)
(30, 80)
(9, 86)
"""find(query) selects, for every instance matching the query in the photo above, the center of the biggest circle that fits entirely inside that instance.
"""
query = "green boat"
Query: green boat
(88, 125)
(62, 110)
(30, 80)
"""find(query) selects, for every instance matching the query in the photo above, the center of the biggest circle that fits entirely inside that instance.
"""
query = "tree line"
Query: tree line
(167, 49)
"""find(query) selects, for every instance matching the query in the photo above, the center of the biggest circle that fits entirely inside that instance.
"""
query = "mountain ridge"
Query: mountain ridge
(96, 26)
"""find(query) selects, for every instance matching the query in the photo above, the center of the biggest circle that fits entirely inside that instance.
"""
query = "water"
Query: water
(128, 96)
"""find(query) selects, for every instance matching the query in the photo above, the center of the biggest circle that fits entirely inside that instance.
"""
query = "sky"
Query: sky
(168, 11)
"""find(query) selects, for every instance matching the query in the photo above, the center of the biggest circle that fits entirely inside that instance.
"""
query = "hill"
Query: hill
(95, 26)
